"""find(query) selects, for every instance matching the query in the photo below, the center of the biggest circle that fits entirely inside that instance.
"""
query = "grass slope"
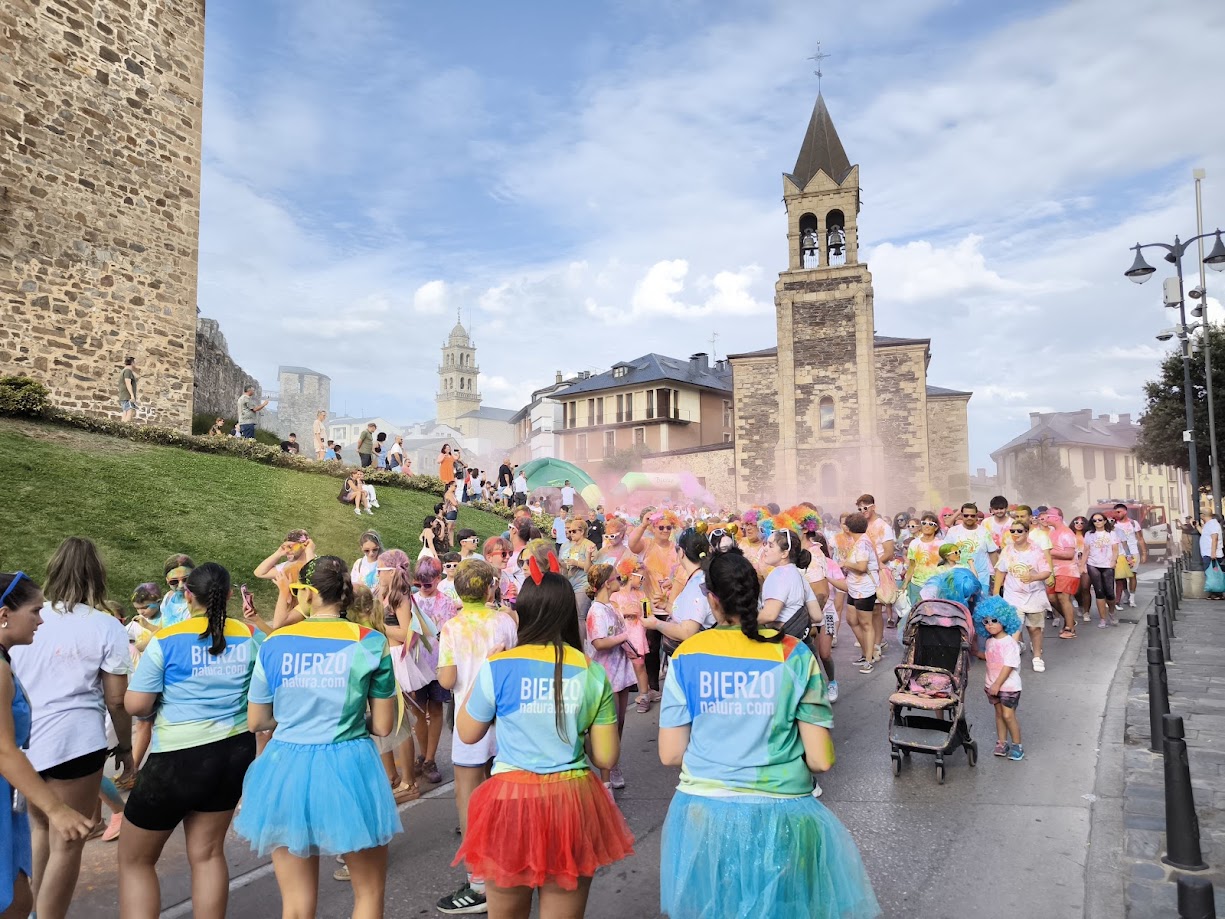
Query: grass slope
(141, 503)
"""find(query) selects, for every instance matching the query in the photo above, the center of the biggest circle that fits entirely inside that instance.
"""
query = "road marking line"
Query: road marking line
(258, 874)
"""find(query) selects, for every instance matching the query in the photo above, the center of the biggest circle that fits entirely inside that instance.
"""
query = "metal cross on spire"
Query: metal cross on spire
(818, 57)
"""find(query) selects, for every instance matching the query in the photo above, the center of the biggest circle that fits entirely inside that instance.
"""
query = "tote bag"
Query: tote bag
(408, 662)
(1214, 578)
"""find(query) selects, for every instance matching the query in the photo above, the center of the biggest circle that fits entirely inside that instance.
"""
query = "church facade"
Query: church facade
(836, 410)
(487, 432)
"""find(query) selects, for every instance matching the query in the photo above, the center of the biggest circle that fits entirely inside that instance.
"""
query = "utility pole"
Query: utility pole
(1213, 462)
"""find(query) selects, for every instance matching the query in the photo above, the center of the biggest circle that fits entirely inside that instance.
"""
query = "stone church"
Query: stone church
(835, 409)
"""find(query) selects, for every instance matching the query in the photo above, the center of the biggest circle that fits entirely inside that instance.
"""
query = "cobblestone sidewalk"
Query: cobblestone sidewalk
(1197, 693)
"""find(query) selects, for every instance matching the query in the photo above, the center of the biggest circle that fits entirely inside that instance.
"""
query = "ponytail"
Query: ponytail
(733, 581)
(210, 586)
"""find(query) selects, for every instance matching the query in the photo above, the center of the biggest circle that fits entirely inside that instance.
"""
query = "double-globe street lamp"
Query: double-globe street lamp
(1140, 271)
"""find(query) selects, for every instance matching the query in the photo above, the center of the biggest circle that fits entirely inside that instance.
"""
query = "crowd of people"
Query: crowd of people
(531, 647)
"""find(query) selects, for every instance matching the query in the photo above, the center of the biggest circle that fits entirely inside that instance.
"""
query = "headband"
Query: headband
(181, 572)
(533, 568)
(13, 583)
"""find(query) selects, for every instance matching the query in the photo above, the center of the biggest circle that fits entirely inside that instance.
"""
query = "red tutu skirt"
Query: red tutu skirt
(526, 830)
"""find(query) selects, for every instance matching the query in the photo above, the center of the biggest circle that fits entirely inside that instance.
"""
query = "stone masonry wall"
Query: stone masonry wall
(100, 107)
(714, 468)
(218, 380)
(755, 389)
(948, 448)
(302, 395)
(901, 392)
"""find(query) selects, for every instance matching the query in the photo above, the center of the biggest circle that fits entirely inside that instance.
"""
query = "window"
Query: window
(590, 412)
(629, 406)
(727, 413)
(1160, 493)
(1090, 465)
(572, 419)
(826, 412)
(663, 398)
(610, 443)
(599, 411)
(650, 403)
(1109, 465)
(640, 437)
(620, 409)
(1128, 490)
(829, 480)
(621, 370)
(580, 447)
(1127, 467)
(676, 404)
(1150, 494)
(727, 438)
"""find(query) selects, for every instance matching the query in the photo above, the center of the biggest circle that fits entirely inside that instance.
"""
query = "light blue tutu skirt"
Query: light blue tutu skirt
(15, 855)
(751, 856)
(317, 799)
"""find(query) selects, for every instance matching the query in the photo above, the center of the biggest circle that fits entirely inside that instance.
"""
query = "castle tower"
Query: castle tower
(828, 443)
(100, 109)
(457, 378)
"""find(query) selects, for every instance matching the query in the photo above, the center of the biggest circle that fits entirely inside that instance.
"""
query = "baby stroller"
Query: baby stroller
(927, 713)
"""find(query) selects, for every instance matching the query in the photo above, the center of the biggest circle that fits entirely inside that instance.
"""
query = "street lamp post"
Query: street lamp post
(1139, 272)
(1214, 461)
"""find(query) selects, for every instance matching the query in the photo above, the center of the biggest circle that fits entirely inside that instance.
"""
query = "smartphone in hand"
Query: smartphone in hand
(646, 608)
(248, 601)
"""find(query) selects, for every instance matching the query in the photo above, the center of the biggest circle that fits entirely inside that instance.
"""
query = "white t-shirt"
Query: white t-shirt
(521, 484)
(691, 603)
(788, 585)
(567, 496)
(559, 529)
(1099, 547)
(1211, 526)
(62, 674)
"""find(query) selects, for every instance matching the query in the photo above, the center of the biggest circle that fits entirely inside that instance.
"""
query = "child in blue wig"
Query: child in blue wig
(997, 621)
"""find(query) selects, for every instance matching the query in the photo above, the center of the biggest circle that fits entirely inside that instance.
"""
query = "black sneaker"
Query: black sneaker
(860, 660)
(464, 900)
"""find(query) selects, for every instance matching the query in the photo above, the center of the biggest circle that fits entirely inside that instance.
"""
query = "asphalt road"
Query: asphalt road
(1004, 839)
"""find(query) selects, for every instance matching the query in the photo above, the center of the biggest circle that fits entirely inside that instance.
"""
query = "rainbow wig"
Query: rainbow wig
(784, 521)
(753, 516)
(808, 520)
(996, 608)
(665, 516)
(627, 566)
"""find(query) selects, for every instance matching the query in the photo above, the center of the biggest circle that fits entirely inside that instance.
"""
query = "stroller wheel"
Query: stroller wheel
(972, 752)
(940, 772)
(897, 762)
(906, 755)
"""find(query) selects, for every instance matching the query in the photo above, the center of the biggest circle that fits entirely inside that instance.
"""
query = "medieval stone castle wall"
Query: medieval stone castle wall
(100, 111)
(219, 381)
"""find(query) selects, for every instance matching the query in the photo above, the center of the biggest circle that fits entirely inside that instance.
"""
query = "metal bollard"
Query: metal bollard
(1181, 823)
(1156, 637)
(1162, 606)
(1195, 898)
(1158, 699)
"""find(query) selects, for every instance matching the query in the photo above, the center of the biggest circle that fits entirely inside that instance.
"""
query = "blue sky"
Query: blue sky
(588, 182)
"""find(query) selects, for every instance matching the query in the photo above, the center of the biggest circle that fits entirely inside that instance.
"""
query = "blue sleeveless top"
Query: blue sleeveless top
(15, 856)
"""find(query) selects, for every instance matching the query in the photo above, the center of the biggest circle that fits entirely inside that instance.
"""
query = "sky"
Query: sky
(588, 182)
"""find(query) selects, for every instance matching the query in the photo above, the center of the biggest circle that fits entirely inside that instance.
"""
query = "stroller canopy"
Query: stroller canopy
(944, 613)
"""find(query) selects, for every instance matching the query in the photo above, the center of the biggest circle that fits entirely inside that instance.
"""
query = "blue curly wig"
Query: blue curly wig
(959, 584)
(996, 608)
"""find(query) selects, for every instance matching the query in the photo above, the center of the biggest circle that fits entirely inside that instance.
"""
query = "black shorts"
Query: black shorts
(864, 604)
(76, 768)
(205, 779)
(365, 458)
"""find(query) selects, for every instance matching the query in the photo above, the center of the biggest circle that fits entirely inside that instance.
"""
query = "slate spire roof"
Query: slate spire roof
(821, 150)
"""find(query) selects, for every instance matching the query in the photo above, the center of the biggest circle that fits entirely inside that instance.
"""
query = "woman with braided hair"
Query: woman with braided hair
(745, 716)
(194, 676)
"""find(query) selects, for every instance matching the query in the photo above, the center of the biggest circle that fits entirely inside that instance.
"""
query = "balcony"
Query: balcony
(615, 420)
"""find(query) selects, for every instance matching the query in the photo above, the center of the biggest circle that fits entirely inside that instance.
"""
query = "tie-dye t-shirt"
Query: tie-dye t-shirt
(204, 698)
(1030, 595)
(516, 688)
(175, 609)
(439, 609)
(976, 546)
(318, 675)
(469, 638)
(997, 529)
(879, 532)
(603, 621)
(926, 557)
(741, 699)
(861, 585)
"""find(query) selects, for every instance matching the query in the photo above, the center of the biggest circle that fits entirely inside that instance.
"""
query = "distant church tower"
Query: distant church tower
(823, 303)
(457, 374)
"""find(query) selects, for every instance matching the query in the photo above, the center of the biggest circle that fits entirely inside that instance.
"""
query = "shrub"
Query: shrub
(23, 396)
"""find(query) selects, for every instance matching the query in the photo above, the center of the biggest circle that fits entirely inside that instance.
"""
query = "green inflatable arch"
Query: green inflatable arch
(552, 473)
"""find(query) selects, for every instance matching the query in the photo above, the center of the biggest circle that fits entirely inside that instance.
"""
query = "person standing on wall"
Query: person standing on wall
(319, 429)
(365, 445)
(247, 411)
(127, 391)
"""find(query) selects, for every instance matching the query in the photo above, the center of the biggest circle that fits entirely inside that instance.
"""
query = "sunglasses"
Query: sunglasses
(1099, 519)
(863, 507)
(990, 621)
(1017, 531)
(298, 588)
(13, 583)
(574, 532)
(451, 565)
(371, 550)
(176, 582)
(929, 523)
(665, 529)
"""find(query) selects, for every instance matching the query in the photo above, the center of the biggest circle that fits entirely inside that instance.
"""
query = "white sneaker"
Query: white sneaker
(1131, 601)
(857, 643)
(816, 789)
(834, 642)
(375, 504)
(357, 511)
(368, 511)
(1039, 665)
(832, 691)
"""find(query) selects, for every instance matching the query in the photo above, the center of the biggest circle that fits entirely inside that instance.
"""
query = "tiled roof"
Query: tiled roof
(941, 391)
(487, 413)
(651, 368)
(821, 150)
(879, 341)
(1075, 429)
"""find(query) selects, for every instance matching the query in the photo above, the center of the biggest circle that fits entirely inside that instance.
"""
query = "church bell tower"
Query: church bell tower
(828, 441)
(457, 378)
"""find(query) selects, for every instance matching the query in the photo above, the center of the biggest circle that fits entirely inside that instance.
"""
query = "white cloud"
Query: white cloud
(431, 298)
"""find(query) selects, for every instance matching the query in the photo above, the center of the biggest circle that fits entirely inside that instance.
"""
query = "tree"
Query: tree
(1043, 479)
(1165, 413)
(623, 461)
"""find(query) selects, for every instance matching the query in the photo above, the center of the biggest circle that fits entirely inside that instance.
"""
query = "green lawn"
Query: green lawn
(141, 503)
